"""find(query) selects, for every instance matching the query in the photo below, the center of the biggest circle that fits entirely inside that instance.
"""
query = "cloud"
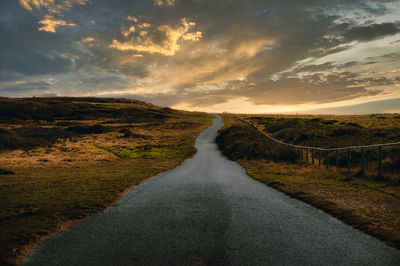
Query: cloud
(52, 6)
(371, 32)
(192, 36)
(127, 31)
(164, 2)
(266, 52)
(50, 24)
(87, 39)
(29, 53)
(163, 39)
(133, 70)
(23, 86)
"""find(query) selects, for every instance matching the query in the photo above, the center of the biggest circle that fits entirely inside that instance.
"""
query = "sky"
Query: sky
(241, 56)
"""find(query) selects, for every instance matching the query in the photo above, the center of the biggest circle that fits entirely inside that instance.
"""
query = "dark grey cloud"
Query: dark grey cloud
(9, 76)
(371, 32)
(133, 70)
(248, 49)
(27, 87)
(24, 49)
(316, 68)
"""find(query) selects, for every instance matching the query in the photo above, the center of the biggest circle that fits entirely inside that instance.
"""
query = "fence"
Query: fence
(315, 154)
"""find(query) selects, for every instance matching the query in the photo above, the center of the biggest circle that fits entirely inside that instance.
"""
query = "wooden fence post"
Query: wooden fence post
(380, 162)
(313, 155)
(319, 158)
(307, 155)
(348, 161)
(337, 159)
(363, 161)
(327, 159)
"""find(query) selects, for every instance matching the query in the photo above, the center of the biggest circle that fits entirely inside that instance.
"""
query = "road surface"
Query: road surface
(209, 212)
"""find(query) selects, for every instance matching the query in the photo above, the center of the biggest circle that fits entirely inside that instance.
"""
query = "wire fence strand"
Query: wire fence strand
(316, 148)
(304, 151)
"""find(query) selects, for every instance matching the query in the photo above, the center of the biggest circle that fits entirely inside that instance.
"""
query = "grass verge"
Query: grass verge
(47, 187)
(369, 205)
(38, 201)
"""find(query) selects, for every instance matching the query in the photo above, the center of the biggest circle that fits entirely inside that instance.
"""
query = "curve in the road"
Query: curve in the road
(209, 212)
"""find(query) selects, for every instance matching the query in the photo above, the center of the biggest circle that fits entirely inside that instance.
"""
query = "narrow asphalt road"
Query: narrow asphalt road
(209, 212)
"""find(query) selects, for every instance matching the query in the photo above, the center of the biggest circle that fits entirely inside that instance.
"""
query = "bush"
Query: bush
(242, 142)
(345, 131)
(96, 129)
(393, 163)
(128, 134)
(6, 172)
(302, 138)
(27, 138)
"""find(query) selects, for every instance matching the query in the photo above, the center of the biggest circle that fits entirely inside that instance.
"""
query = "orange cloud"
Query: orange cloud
(53, 6)
(251, 48)
(87, 39)
(134, 19)
(127, 31)
(192, 36)
(50, 24)
(164, 2)
(150, 43)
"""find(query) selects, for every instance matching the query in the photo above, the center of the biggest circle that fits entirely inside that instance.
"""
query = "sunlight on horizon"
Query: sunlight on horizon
(236, 56)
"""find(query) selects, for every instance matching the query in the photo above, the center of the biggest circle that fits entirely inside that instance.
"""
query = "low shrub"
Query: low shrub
(96, 129)
(29, 137)
(393, 162)
(242, 142)
(6, 172)
(128, 134)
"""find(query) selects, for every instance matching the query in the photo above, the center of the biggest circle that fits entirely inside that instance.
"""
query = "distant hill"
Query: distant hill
(86, 108)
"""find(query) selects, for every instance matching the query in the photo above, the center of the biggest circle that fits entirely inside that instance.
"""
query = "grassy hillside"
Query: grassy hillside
(38, 122)
(330, 131)
(63, 159)
(339, 131)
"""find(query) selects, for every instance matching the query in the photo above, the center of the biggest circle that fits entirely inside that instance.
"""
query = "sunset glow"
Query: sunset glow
(235, 56)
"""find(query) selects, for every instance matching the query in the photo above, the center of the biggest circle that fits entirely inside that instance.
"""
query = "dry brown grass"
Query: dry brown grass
(86, 150)
(371, 206)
